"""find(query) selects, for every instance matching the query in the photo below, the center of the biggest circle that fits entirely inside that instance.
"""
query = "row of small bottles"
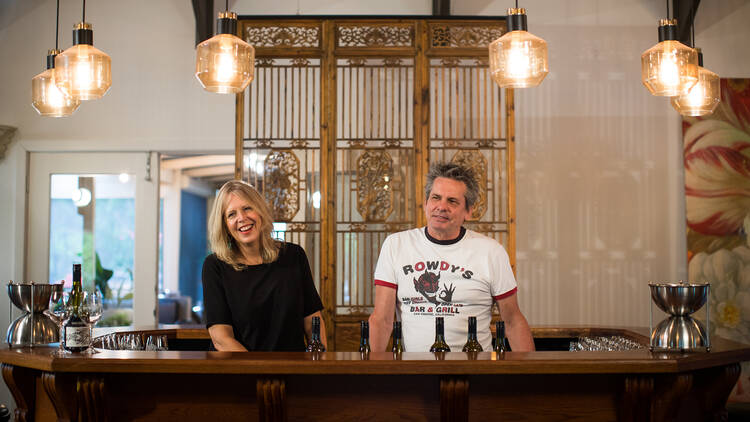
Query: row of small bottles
(472, 344)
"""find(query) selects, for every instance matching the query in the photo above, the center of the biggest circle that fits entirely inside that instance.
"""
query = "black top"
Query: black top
(265, 304)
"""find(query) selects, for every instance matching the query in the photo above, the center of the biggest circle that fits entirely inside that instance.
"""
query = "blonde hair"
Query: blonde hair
(222, 243)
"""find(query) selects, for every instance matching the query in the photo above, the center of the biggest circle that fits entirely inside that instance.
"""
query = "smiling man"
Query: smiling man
(445, 270)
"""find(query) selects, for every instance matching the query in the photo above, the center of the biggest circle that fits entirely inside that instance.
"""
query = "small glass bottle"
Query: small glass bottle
(364, 337)
(498, 345)
(439, 345)
(398, 343)
(315, 345)
(76, 332)
(472, 344)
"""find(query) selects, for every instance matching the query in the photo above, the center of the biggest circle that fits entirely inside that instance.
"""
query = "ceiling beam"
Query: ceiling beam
(441, 7)
(684, 12)
(209, 171)
(204, 19)
(196, 161)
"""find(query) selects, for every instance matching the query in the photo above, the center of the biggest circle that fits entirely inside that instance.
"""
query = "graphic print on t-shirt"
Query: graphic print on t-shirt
(436, 297)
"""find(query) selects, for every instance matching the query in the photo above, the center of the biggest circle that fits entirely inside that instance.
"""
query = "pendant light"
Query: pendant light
(225, 64)
(518, 59)
(669, 68)
(705, 95)
(46, 97)
(84, 72)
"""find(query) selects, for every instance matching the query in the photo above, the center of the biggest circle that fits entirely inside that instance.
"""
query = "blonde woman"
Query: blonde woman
(258, 293)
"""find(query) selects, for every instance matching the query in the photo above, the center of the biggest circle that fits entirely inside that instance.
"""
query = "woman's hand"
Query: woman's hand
(222, 336)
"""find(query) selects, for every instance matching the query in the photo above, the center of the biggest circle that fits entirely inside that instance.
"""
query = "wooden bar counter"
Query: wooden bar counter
(219, 386)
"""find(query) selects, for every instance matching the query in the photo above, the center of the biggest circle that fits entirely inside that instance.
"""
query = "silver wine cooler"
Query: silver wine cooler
(34, 326)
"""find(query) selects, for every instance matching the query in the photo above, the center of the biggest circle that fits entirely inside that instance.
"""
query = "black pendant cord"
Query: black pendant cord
(84, 11)
(667, 9)
(57, 25)
(516, 4)
(226, 6)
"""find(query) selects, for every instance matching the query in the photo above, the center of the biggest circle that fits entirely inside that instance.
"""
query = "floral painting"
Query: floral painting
(717, 190)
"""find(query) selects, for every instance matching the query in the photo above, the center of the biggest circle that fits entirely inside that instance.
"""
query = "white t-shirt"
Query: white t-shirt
(454, 279)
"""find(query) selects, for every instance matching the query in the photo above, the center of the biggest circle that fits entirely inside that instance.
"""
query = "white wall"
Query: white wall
(600, 200)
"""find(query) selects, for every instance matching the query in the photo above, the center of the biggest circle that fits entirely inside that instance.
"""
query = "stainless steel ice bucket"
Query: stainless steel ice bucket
(680, 332)
(34, 326)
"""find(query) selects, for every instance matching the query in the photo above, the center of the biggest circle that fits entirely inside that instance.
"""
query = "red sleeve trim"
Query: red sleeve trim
(510, 292)
(385, 284)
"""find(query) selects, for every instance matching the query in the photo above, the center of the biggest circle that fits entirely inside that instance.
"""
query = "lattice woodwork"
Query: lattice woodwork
(342, 159)
(374, 35)
(282, 145)
(457, 35)
(466, 125)
(283, 35)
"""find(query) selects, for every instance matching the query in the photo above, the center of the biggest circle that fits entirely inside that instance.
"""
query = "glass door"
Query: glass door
(101, 210)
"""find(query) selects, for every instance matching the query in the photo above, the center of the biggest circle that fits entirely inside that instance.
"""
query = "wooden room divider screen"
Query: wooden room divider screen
(339, 126)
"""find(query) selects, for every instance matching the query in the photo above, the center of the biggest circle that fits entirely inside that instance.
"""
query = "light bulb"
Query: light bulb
(518, 60)
(82, 77)
(669, 73)
(225, 67)
(55, 97)
(694, 97)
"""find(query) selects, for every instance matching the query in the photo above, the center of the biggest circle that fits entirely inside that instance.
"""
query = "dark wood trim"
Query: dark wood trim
(271, 397)
(684, 12)
(441, 8)
(20, 382)
(204, 19)
(454, 399)
(635, 385)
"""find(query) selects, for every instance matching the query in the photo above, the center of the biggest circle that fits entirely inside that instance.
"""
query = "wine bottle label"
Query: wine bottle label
(77, 336)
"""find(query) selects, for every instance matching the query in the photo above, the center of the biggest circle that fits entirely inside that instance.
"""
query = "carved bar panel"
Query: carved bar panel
(271, 397)
(454, 399)
(20, 382)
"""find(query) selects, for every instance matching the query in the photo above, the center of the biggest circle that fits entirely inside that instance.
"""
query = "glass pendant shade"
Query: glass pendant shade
(225, 64)
(669, 68)
(83, 71)
(46, 97)
(703, 97)
(518, 59)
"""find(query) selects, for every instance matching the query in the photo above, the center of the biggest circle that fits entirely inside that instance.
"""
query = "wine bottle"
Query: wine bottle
(472, 345)
(439, 345)
(315, 345)
(364, 337)
(499, 343)
(398, 344)
(76, 332)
